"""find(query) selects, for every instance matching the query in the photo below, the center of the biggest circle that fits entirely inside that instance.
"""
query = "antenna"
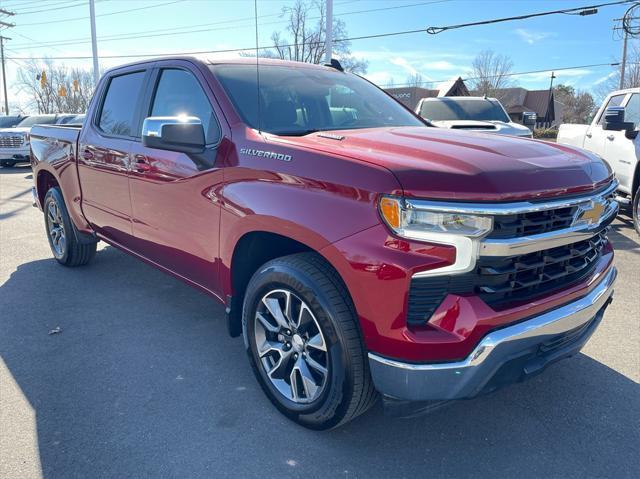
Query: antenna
(255, 11)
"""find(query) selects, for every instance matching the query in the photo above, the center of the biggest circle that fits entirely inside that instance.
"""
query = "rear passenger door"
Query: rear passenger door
(103, 155)
(175, 217)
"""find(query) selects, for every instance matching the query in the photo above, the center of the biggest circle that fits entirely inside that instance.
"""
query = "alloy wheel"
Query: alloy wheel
(56, 229)
(291, 347)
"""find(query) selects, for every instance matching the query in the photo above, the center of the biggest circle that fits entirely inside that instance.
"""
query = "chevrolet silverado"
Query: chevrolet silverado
(359, 252)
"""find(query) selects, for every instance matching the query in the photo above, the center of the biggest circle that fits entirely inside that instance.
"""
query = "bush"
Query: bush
(545, 133)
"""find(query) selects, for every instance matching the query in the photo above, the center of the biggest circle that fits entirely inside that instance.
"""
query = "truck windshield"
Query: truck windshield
(37, 120)
(447, 109)
(298, 101)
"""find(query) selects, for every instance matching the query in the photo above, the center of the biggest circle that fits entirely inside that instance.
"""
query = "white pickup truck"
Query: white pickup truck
(474, 113)
(613, 135)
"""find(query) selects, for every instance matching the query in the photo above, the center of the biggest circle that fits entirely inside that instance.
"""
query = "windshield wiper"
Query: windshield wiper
(295, 132)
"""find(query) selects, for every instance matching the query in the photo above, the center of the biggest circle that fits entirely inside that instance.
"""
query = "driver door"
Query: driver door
(596, 138)
(175, 218)
(620, 152)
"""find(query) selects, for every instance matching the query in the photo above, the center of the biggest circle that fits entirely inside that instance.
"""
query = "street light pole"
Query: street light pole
(94, 42)
(328, 41)
(4, 76)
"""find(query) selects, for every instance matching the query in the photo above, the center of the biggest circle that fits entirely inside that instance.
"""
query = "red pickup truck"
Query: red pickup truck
(358, 250)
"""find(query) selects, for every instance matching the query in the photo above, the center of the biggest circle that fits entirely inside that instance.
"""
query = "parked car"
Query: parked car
(473, 114)
(613, 135)
(357, 250)
(10, 120)
(14, 141)
(75, 120)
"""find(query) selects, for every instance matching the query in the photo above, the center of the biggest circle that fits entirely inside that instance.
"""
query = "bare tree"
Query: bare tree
(63, 90)
(303, 38)
(631, 75)
(578, 106)
(415, 81)
(490, 73)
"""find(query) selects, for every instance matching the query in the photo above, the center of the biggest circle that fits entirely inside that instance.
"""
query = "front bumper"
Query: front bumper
(504, 356)
(19, 154)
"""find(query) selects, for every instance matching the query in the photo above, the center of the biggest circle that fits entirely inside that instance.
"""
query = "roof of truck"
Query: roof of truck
(216, 60)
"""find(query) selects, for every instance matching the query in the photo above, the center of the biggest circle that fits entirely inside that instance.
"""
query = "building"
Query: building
(410, 96)
(515, 100)
(518, 100)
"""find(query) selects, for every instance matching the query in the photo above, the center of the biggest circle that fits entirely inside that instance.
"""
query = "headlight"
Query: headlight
(423, 224)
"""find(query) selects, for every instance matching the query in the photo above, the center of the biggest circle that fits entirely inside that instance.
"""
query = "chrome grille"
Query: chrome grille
(519, 278)
(14, 141)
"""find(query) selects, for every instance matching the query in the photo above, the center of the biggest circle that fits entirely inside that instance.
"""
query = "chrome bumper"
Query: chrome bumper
(505, 355)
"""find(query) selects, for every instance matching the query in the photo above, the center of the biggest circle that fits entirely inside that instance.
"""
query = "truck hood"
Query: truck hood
(500, 127)
(461, 165)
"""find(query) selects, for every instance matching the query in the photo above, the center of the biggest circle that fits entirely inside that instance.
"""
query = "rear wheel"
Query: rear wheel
(62, 237)
(636, 210)
(304, 342)
(7, 163)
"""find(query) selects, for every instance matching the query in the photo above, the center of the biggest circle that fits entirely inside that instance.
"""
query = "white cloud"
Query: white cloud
(531, 36)
(604, 78)
(404, 64)
(442, 65)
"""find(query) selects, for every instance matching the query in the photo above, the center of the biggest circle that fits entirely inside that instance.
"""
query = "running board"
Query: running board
(623, 200)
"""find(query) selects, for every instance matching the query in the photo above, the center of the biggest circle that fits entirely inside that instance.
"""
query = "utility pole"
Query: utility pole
(628, 24)
(2, 39)
(623, 66)
(328, 41)
(94, 43)
(547, 116)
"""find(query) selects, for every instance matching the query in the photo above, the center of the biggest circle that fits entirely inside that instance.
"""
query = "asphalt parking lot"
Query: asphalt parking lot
(143, 381)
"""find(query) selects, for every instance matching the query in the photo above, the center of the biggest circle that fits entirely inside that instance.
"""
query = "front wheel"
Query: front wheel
(63, 241)
(636, 211)
(304, 343)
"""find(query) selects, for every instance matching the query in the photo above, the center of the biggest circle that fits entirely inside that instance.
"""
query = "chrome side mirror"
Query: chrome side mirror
(174, 133)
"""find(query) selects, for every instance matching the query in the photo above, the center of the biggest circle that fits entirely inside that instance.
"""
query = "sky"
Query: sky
(61, 28)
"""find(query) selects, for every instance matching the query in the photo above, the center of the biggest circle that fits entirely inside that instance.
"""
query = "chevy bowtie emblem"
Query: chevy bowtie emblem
(589, 214)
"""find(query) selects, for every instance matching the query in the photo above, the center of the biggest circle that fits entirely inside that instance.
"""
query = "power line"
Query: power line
(51, 7)
(103, 14)
(164, 32)
(436, 30)
(229, 50)
(530, 72)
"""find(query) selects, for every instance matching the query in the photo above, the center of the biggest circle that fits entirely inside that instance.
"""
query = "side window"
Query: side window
(179, 93)
(632, 110)
(613, 101)
(118, 109)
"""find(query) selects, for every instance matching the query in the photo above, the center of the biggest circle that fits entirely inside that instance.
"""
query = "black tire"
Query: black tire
(636, 210)
(8, 163)
(70, 252)
(348, 390)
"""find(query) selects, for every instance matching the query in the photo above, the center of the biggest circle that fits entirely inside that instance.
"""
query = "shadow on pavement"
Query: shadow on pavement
(143, 381)
(15, 170)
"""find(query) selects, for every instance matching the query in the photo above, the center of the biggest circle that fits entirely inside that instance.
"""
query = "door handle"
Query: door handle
(611, 137)
(589, 135)
(87, 155)
(141, 164)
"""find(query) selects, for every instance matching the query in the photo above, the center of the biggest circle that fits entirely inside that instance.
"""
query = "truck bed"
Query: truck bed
(54, 143)
(572, 134)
